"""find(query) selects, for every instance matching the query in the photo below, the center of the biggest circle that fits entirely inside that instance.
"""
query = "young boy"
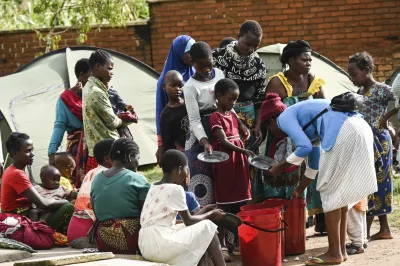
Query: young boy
(174, 121)
(51, 189)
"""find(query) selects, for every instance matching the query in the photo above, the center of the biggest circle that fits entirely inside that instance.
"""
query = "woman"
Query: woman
(118, 220)
(178, 59)
(18, 195)
(346, 163)
(295, 83)
(240, 62)
(378, 96)
(69, 118)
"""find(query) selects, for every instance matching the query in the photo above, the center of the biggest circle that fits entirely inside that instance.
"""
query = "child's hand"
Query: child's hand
(210, 207)
(244, 131)
(297, 194)
(249, 153)
(208, 148)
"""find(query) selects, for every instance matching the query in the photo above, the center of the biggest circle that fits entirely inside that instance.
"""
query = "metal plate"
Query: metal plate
(261, 162)
(214, 157)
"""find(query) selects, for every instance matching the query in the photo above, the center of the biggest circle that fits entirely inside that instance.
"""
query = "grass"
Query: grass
(152, 172)
(394, 217)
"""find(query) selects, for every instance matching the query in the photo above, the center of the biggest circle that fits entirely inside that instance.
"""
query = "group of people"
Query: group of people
(210, 100)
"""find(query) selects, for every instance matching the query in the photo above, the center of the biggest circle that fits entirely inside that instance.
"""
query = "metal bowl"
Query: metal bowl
(214, 157)
(261, 162)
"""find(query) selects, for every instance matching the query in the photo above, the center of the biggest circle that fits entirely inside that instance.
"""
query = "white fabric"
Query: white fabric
(294, 159)
(161, 239)
(310, 173)
(396, 90)
(357, 227)
(199, 96)
(347, 171)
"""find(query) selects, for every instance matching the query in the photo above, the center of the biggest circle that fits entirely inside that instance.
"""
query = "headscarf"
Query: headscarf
(271, 107)
(179, 46)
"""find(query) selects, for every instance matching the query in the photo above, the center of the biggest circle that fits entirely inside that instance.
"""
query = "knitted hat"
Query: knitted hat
(271, 107)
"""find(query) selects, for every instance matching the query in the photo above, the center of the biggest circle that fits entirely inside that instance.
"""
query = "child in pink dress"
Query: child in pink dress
(231, 178)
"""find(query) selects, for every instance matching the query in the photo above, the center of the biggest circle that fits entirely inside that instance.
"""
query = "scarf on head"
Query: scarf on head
(74, 103)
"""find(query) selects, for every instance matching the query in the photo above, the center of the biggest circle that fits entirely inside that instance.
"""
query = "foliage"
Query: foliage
(59, 16)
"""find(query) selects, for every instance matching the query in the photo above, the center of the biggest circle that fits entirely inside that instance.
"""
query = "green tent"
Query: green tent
(29, 96)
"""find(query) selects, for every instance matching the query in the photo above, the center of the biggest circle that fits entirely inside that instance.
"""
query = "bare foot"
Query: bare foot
(324, 259)
(344, 254)
(381, 235)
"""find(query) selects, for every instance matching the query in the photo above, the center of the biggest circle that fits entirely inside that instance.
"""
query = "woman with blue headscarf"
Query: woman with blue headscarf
(178, 59)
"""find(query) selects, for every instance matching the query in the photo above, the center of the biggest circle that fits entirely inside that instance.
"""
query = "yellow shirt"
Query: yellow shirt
(66, 183)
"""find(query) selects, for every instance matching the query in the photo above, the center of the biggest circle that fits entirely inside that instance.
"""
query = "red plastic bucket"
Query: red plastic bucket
(294, 215)
(260, 235)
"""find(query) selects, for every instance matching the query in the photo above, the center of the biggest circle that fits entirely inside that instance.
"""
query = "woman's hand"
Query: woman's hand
(275, 170)
(207, 146)
(244, 131)
(297, 194)
(159, 154)
(249, 153)
(385, 123)
(257, 132)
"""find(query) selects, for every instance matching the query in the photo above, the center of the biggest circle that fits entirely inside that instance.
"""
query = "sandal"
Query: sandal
(225, 254)
(318, 261)
(353, 249)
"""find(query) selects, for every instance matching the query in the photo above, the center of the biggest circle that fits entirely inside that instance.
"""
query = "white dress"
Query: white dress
(161, 239)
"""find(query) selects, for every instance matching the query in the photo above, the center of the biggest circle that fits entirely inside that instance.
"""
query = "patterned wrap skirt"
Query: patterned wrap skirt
(120, 236)
(201, 177)
(380, 203)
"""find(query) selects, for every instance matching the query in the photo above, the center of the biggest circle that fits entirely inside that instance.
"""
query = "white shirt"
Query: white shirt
(199, 96)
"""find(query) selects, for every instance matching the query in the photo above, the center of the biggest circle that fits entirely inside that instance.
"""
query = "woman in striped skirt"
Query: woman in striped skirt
(344, 159)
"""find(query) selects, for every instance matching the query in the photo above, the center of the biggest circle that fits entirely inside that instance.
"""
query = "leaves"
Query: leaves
(47, 16)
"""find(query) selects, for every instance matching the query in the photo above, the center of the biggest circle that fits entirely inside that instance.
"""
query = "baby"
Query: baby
(51, 189)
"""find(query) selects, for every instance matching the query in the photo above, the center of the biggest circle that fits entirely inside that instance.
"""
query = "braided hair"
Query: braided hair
(124, 150)
(292, 50)
(363, 60)
(14, 142)
(173, 159)
(99, 57)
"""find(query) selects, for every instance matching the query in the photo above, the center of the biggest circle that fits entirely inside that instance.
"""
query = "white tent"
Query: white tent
(337, 80)
(29, 96)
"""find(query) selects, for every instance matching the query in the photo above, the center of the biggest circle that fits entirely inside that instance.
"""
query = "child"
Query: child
(357, 228)
(65, 163)
(174, 121)
(160, 239)
(200, 103)
(51, 189)
(83, 218)
(192, 204)
(123, 111)
(231, 178)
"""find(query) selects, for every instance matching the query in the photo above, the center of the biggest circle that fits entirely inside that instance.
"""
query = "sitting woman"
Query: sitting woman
(18, 194)
(117, 196)
(344, 159)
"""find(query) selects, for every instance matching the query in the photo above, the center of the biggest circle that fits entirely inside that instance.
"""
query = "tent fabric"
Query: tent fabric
(337, 80)
(28, 99)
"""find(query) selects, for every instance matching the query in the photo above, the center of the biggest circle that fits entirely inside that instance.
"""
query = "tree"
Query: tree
(51, 18)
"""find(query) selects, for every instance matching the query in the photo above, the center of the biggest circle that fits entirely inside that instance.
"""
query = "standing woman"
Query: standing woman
(178, 59)
(69, 116)
(294, 84)
(240, 62)
(378, 96)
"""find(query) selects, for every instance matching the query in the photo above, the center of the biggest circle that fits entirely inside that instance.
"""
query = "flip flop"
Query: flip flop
(230, 221)
(318, 261)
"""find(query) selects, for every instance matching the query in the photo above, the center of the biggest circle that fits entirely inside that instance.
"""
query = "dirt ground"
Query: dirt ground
(384, 252)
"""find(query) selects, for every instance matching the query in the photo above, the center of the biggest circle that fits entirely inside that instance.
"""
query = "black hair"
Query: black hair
(251, 26)
(59, 156)
(14, 142)
(124, 150)
(363, 60)
(200, 50)
(173, 159)
(225, 85)
(226, 41)
(82, 66)
(292, 50)
(102, 149)
(99, 57)
(46, 168)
